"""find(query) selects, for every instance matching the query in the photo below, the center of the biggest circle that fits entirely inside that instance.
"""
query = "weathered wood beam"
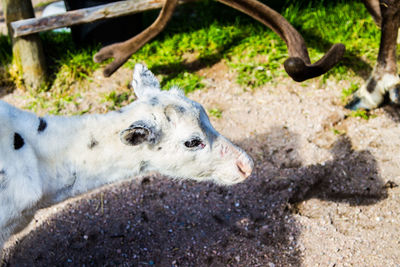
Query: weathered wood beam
(28, 55)
(85, 15)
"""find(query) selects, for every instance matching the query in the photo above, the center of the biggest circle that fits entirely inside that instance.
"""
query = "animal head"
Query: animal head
(176, 137)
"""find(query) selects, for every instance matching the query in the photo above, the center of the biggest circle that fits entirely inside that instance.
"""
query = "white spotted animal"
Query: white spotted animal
(45, 160)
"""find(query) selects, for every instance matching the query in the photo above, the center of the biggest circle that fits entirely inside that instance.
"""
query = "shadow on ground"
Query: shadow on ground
(169, 223)
(393, 112)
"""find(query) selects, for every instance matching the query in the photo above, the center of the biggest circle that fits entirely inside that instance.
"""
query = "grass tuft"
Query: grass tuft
(215, 112)
(347, 92)
(117, 100)
(363, 114)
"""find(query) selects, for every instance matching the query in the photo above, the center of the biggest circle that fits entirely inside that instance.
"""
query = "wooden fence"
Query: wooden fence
(23, 28)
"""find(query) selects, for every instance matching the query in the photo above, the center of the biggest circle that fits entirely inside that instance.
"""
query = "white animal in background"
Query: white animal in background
(56, 8)
(45, 160)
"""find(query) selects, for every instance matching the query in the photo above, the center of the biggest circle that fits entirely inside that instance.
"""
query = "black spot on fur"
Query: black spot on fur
(42, 125)
(353, 104)
(93, 142)
(371, 85)
(18, 141)
(3, 179)
(154, 101)
(3, 183)
(75, 176)
(181, 110)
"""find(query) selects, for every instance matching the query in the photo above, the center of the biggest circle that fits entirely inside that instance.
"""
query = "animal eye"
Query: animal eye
(196, 142)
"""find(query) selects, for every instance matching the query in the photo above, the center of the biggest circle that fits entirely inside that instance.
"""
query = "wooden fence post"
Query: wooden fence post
(28, 54)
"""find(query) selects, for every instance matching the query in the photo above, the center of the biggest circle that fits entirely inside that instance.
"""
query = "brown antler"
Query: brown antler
(298, 66)
(122, 51)
(374, 9)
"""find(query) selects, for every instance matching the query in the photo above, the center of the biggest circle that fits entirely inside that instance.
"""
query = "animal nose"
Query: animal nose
(245, 166)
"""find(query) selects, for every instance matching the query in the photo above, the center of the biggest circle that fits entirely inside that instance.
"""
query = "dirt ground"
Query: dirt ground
(317, 196)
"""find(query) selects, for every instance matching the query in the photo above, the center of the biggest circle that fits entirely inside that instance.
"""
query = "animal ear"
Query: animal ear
(173, 112)
(144, 81)
(139, 132)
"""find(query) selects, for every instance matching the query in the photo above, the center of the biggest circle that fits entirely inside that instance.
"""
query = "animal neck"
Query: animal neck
(78, 154)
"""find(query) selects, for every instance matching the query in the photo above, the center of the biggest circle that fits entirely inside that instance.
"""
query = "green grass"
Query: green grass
(363, 114)
(347, 92)
(43, 4)
(215, 112)
(339, 21)
(338, 132)
(253, 51)
(117, 99)
(206, 32)
(186, 80)
(67, 63)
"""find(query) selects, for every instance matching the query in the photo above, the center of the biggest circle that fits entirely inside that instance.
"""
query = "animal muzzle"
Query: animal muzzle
(243, 162)
(245, 165)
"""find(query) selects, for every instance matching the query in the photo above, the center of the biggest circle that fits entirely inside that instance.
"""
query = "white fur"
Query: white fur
(73, 155)
(385, 83)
